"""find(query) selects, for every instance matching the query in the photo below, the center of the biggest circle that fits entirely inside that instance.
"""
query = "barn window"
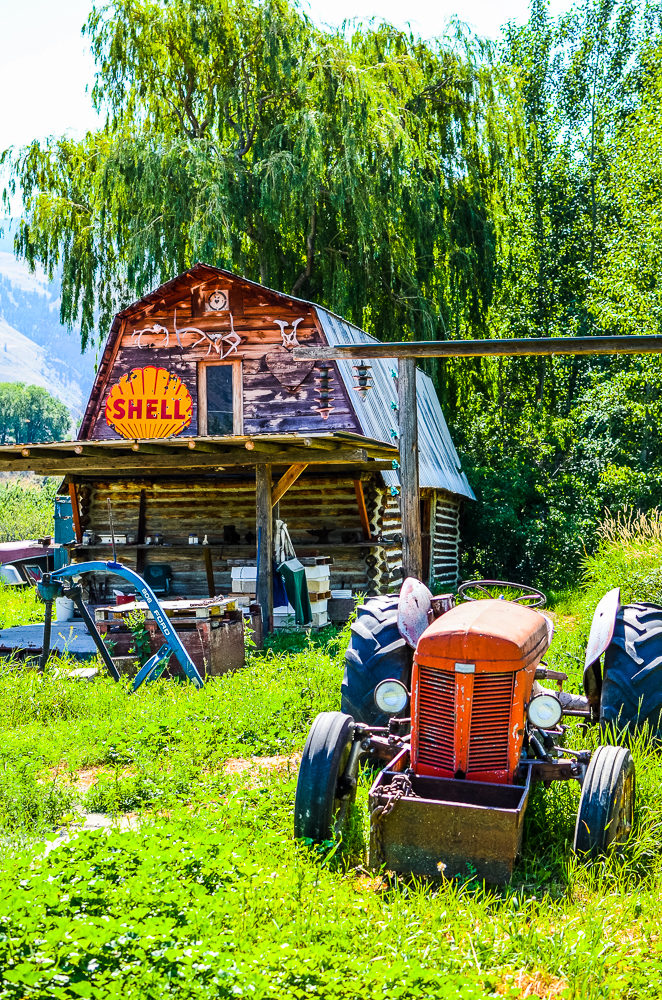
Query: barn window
(220, 398)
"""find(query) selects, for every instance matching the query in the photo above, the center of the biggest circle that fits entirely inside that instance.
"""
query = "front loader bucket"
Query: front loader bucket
(447, 828)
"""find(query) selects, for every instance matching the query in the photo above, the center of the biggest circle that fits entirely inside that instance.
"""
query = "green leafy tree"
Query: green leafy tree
(30, 413)
(355, 171)
(579, 80)
(629, 297)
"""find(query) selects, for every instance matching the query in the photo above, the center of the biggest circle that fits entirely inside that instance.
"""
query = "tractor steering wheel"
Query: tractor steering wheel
(528, 596)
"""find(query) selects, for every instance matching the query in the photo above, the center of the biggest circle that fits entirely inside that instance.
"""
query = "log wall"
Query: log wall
(321, 513)
(445, 532)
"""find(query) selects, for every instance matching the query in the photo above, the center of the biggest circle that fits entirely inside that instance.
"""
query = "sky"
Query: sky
(46, 65)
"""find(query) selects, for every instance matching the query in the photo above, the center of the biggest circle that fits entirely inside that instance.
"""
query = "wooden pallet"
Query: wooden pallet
(203, 609)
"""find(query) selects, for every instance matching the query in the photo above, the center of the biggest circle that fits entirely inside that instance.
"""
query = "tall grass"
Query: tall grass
(27, 508)
(19, 606)
(629, 556)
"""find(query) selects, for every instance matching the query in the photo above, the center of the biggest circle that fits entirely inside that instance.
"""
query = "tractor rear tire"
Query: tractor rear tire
(632, 683)
(324, 791)
(606, 806)
(376, 652)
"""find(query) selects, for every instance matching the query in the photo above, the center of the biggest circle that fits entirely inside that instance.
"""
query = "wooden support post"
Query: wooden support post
(140, 537)
(286, 480)
(412, 555)
(75, 513)
(363, 510)
(209, 570)
(265, 544)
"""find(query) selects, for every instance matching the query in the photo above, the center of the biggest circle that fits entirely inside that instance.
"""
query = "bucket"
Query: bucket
(449, 827)
(64, 609)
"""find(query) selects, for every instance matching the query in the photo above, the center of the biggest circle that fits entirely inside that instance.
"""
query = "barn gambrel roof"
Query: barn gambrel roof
(376, 412)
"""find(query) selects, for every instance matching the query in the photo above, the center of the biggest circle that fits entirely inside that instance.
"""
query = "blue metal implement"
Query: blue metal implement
(173, 641)
(148, 670)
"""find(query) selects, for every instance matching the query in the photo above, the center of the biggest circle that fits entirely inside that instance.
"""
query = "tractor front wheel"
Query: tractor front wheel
(606, 806)
(327, 778)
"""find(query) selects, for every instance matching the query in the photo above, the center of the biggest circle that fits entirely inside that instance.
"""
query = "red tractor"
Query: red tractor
(463, 728)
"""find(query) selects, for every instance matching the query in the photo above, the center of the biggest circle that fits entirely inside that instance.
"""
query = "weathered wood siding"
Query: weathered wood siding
(322, 516)
(280, 395)
(445, 532)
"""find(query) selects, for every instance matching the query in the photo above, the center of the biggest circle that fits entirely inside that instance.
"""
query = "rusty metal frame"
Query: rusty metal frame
(449, 827)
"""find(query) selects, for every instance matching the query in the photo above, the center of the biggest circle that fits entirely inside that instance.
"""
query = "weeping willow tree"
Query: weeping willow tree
(349, 168)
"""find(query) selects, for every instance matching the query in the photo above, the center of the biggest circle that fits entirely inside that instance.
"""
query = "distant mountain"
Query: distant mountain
(34, 346)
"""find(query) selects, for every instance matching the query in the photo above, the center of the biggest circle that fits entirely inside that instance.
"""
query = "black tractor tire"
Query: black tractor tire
(376, 652)
(632, 682)
(324, 789)
(606, 805)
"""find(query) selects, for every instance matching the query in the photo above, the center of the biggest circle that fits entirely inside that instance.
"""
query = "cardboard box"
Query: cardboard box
(317, 572)
(244, 579)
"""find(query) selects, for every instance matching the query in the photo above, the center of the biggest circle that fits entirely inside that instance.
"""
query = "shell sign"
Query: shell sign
(149, 403)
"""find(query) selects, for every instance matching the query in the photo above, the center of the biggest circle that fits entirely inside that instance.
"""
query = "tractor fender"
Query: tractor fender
(601, 634)
(602, 626)
(414, 610)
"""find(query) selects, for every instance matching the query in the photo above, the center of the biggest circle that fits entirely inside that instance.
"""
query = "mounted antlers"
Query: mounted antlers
(223, 343)
(289, 339)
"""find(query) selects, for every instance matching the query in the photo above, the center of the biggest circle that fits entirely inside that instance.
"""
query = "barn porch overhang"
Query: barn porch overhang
(196, 454)
(276, 459)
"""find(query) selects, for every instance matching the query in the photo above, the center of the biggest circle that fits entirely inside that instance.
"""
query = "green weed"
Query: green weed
(212, 897)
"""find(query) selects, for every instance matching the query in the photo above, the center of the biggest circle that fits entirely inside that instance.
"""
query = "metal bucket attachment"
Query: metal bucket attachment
(445, 828)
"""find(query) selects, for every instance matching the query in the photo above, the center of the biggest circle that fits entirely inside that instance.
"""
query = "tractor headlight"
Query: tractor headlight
(545, 711)
(391, 697)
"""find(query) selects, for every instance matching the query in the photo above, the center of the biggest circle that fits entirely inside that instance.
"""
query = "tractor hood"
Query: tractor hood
(489, 631)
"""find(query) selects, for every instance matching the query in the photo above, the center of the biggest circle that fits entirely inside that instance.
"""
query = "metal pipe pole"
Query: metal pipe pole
(265, 545)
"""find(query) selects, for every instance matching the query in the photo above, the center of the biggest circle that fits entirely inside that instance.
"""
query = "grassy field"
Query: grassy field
(200, 891)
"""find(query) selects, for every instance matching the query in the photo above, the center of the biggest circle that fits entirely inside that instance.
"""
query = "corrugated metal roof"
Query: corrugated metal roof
(439, 464)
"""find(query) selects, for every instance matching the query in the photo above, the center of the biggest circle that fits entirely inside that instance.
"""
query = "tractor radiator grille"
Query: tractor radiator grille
(490, 722)
(436, 718)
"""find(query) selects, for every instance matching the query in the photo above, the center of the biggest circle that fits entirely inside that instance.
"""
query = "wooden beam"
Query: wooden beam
(139, 446)
(265, 544)
(515, 347)
(150, 464)
(412, 553)
(286, 480)
(237, 397)
(45, 451)
(75, 511)
(363, 510)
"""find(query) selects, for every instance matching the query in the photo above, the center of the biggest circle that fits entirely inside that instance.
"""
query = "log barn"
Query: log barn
(201, 428)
